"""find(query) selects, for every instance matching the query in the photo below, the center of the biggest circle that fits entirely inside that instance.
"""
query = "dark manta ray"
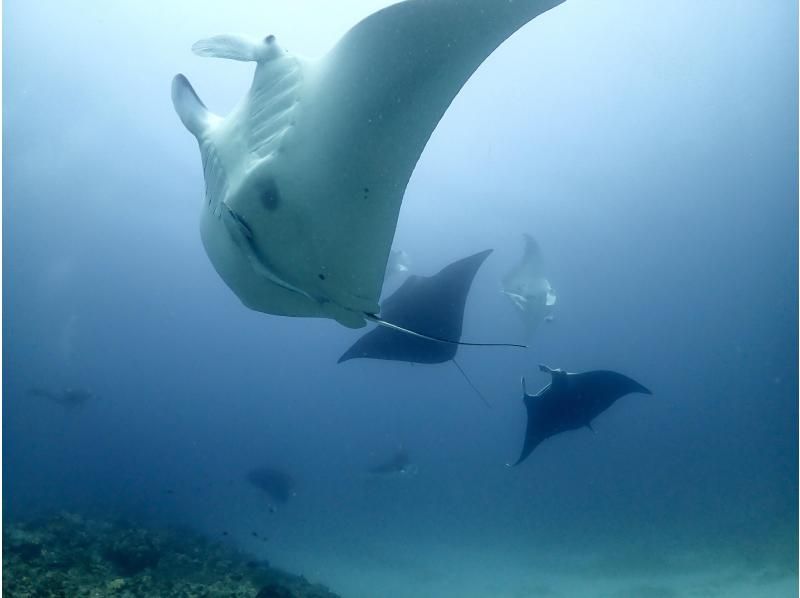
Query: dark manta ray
(399, 463)
(431, 305)
(278, 484)
(570, 402)
(69, 397)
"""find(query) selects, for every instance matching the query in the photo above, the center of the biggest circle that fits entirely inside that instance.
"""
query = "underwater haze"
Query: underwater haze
(651, 148)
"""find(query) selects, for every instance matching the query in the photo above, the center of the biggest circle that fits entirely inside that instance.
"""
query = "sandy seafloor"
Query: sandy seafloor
(411, 555)
(465, 575)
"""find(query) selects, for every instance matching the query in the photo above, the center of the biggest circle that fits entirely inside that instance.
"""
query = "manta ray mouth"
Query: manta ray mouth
(241, 234)
(381, 322)
(335, 113)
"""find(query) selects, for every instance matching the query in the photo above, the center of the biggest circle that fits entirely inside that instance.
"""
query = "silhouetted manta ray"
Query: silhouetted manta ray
(69, 397)
(305, 176)
(570, 402)
(432, 305)
(278, 484)
(399, 463)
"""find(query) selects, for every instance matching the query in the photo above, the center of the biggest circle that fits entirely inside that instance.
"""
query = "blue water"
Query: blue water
(650, 147)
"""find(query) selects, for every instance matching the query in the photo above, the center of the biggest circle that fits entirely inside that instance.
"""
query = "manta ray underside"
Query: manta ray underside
(304, 178)
(398, 263)
(528, 289)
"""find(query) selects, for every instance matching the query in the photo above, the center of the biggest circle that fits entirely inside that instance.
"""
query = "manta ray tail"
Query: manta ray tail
(475, 388)
(378, 320)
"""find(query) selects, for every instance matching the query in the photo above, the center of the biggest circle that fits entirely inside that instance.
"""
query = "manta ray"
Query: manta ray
(571, 402)
(433, 307)
(277, 484)
(528, 289)
(397, 464)
(69, 397)
(304, 178)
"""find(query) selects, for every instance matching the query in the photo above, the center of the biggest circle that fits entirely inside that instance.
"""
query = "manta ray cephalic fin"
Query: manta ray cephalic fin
(190, 108)
(316, 157)
(238, 47)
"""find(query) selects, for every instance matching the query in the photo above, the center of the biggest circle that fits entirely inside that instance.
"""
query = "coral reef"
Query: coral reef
(68, 555)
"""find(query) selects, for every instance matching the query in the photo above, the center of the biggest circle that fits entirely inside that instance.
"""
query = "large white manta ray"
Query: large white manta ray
(528, 289)
(305, 177)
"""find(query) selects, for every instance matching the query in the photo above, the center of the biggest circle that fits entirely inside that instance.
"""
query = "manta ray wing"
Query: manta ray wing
(528, 271)
(600, 389)
(535, 432)
(306, 176)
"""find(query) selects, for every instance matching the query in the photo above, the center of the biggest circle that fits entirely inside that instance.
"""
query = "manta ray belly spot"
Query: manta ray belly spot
(316, 157)
(270, 195)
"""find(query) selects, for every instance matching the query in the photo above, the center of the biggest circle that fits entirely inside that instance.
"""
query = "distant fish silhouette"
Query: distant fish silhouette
(278, 484)
(398, 464)
(69, 397)
(571, 402)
